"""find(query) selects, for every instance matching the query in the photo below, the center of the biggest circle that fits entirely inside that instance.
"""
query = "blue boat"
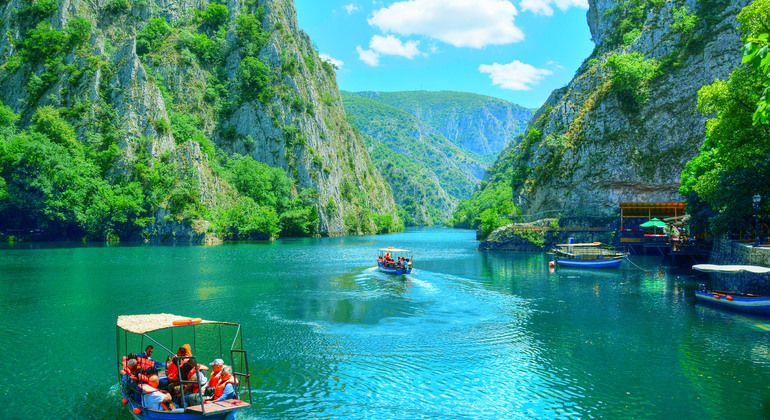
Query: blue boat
(210, 340)
(588, 255)
(740, 302)
(395, 261)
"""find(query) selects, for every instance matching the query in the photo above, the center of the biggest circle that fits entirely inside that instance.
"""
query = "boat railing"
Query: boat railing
(245, 375)
(183, 382)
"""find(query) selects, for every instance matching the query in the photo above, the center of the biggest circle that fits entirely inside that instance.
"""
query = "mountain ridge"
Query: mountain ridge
(449, 168)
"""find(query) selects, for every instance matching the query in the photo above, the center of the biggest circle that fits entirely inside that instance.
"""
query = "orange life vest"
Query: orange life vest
(145, 363)
(220, 389)
(172, 371)
(214, 379)
(191, 376)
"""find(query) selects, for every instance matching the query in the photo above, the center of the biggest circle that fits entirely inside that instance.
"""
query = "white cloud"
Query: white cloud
(543, 7)
(350, 8)
(390, 45)
(387, 45)
(514, 75)
(554, 65)
(331, 60)
(461, 23)
(368, 56)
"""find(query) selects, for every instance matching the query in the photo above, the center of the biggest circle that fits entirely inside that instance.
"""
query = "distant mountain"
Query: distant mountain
(433, 147)
(479, 124)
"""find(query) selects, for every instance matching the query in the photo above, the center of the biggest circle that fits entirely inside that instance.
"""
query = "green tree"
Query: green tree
(755, 24)
(630, 74)
(249, 33)
(254, 79)
(214, 16)
(246, 219)
(78, 32)
(8, 118)
(265, 185)
(152, 35)
(721, 180)
(43, 42)
(48, 121)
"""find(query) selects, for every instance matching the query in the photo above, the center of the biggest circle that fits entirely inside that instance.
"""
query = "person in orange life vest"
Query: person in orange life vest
(192, 390)
(153, 398)
(125, 362)
(188, 371)
(147, 354)
(182, 355)
(216, 371)
(133, 371)
(225, 389)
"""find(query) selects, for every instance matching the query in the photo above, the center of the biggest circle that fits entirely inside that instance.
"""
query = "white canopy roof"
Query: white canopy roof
(713, 268)
(140, 324)
(582, 244)
(391, 249)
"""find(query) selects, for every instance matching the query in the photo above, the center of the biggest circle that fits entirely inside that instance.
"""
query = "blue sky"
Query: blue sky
(518, 50)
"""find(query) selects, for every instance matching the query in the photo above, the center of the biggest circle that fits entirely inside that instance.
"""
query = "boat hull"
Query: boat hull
(759, 305)
(174, 415)
(605, 263)
(393, 270)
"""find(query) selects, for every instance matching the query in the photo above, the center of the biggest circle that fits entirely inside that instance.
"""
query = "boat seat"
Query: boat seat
(218, 406)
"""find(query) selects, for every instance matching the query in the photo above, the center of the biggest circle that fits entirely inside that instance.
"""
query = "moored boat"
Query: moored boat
(741, 302)
(211, 340)
(396, 261)
(588, 255)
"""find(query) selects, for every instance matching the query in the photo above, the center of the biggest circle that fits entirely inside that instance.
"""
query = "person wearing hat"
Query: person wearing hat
(216, 371)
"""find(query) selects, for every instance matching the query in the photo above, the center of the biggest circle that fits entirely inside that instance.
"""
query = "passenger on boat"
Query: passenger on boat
(133, 371)
(147, 354)
(132, 376)
(216, 371)
(225, 389)
(192, 390)
(182, 355)
(153, 398)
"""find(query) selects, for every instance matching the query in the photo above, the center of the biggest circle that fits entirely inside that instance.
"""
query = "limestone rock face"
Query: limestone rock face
(593, 152)
(299, 126)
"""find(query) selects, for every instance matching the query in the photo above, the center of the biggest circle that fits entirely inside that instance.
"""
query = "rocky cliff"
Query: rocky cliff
(191, 82)
(625, 126)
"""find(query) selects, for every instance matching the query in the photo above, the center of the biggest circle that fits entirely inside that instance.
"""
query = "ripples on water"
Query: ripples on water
(466, 335)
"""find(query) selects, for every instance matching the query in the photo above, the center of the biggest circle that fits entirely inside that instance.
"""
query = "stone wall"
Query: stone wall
(736, 253)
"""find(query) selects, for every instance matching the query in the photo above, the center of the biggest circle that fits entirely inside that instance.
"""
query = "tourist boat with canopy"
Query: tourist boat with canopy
(742, 302)
(208, 340)
(588, 255)
(392, 260)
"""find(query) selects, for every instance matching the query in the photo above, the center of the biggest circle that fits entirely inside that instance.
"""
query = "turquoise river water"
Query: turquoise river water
(468, 334)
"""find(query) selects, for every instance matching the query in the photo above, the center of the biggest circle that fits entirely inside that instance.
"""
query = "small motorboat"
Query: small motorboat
(392, 260)
(742, 302)
(210, 340)
(588, 255)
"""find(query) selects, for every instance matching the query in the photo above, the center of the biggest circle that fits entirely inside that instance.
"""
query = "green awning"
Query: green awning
(653, 223)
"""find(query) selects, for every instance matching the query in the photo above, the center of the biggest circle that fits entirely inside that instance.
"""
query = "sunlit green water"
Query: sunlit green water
(468, 334)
